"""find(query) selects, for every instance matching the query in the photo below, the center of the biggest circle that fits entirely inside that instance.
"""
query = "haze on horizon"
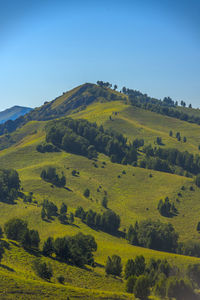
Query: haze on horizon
(48, 47)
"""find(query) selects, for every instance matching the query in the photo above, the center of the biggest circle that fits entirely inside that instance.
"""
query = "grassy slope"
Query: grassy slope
(134, 196)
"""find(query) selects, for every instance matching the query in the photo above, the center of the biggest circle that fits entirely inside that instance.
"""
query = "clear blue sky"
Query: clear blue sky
(47, 47)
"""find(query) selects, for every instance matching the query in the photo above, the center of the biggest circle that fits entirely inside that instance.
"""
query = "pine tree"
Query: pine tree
(48, 248)
(43, 213)
(63, 209)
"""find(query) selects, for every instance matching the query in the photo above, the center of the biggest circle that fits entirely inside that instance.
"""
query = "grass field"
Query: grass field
(134, 196)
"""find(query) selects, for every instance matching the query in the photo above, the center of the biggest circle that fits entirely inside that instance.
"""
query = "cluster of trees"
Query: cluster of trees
(109, 221)
(104, 84)
(50, 175)
(77, 249)
(166, 107)
(85, 138)
(154, 235)
(9, 185)
(47, 147)
(17, 230)
(169, 157)
(156, 275)
(190, 248)
(166, 208)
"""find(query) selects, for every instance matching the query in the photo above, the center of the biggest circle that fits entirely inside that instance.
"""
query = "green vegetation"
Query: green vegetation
(60, 237)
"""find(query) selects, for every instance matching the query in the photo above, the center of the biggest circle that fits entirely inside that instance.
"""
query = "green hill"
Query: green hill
(132, 192)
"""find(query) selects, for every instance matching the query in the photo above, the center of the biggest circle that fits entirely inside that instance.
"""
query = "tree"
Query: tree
(71, 218)
(171, 133)
(139, 265)
(159, 140)
(62, 218)
(43, 213)
(42, 269)
(160, 286)
(115, 86)
(86, 193)
(129, 269)
(142, 287)
(15, 228)
(197, 181)
(63, 209)
(48, 247)
(113, 265)
(1, 232)
(198, 226)
(130, 284)
(184, 139)
(193, 272)
(35, 238)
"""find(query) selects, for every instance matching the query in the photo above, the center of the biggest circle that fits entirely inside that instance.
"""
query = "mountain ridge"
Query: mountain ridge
(13, 113)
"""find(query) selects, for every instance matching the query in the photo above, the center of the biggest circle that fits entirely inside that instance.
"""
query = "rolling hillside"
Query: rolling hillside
(133, 193)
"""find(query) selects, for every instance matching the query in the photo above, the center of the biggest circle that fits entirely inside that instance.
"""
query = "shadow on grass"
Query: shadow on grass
(7, 268)
(33, 252)
(68, 189)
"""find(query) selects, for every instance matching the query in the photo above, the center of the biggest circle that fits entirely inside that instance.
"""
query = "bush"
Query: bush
(42, 269)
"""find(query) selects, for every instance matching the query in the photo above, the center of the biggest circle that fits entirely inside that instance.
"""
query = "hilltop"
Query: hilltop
(133, 192)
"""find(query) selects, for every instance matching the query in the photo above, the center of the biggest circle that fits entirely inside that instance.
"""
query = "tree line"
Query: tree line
(157, 276)
(164, 159)
(84, 138)
(109, 221)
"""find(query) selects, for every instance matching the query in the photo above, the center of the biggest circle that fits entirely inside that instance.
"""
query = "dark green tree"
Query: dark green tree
(142, 287)
(129, 269)
(130, 284)
(86, 193)
(42, 269)
(48, 247)
(63, 209)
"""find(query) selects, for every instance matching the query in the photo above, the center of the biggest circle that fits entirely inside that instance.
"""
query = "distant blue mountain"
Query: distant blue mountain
(13, 113)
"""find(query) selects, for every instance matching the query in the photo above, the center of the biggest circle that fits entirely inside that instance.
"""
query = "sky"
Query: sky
(50, 46)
